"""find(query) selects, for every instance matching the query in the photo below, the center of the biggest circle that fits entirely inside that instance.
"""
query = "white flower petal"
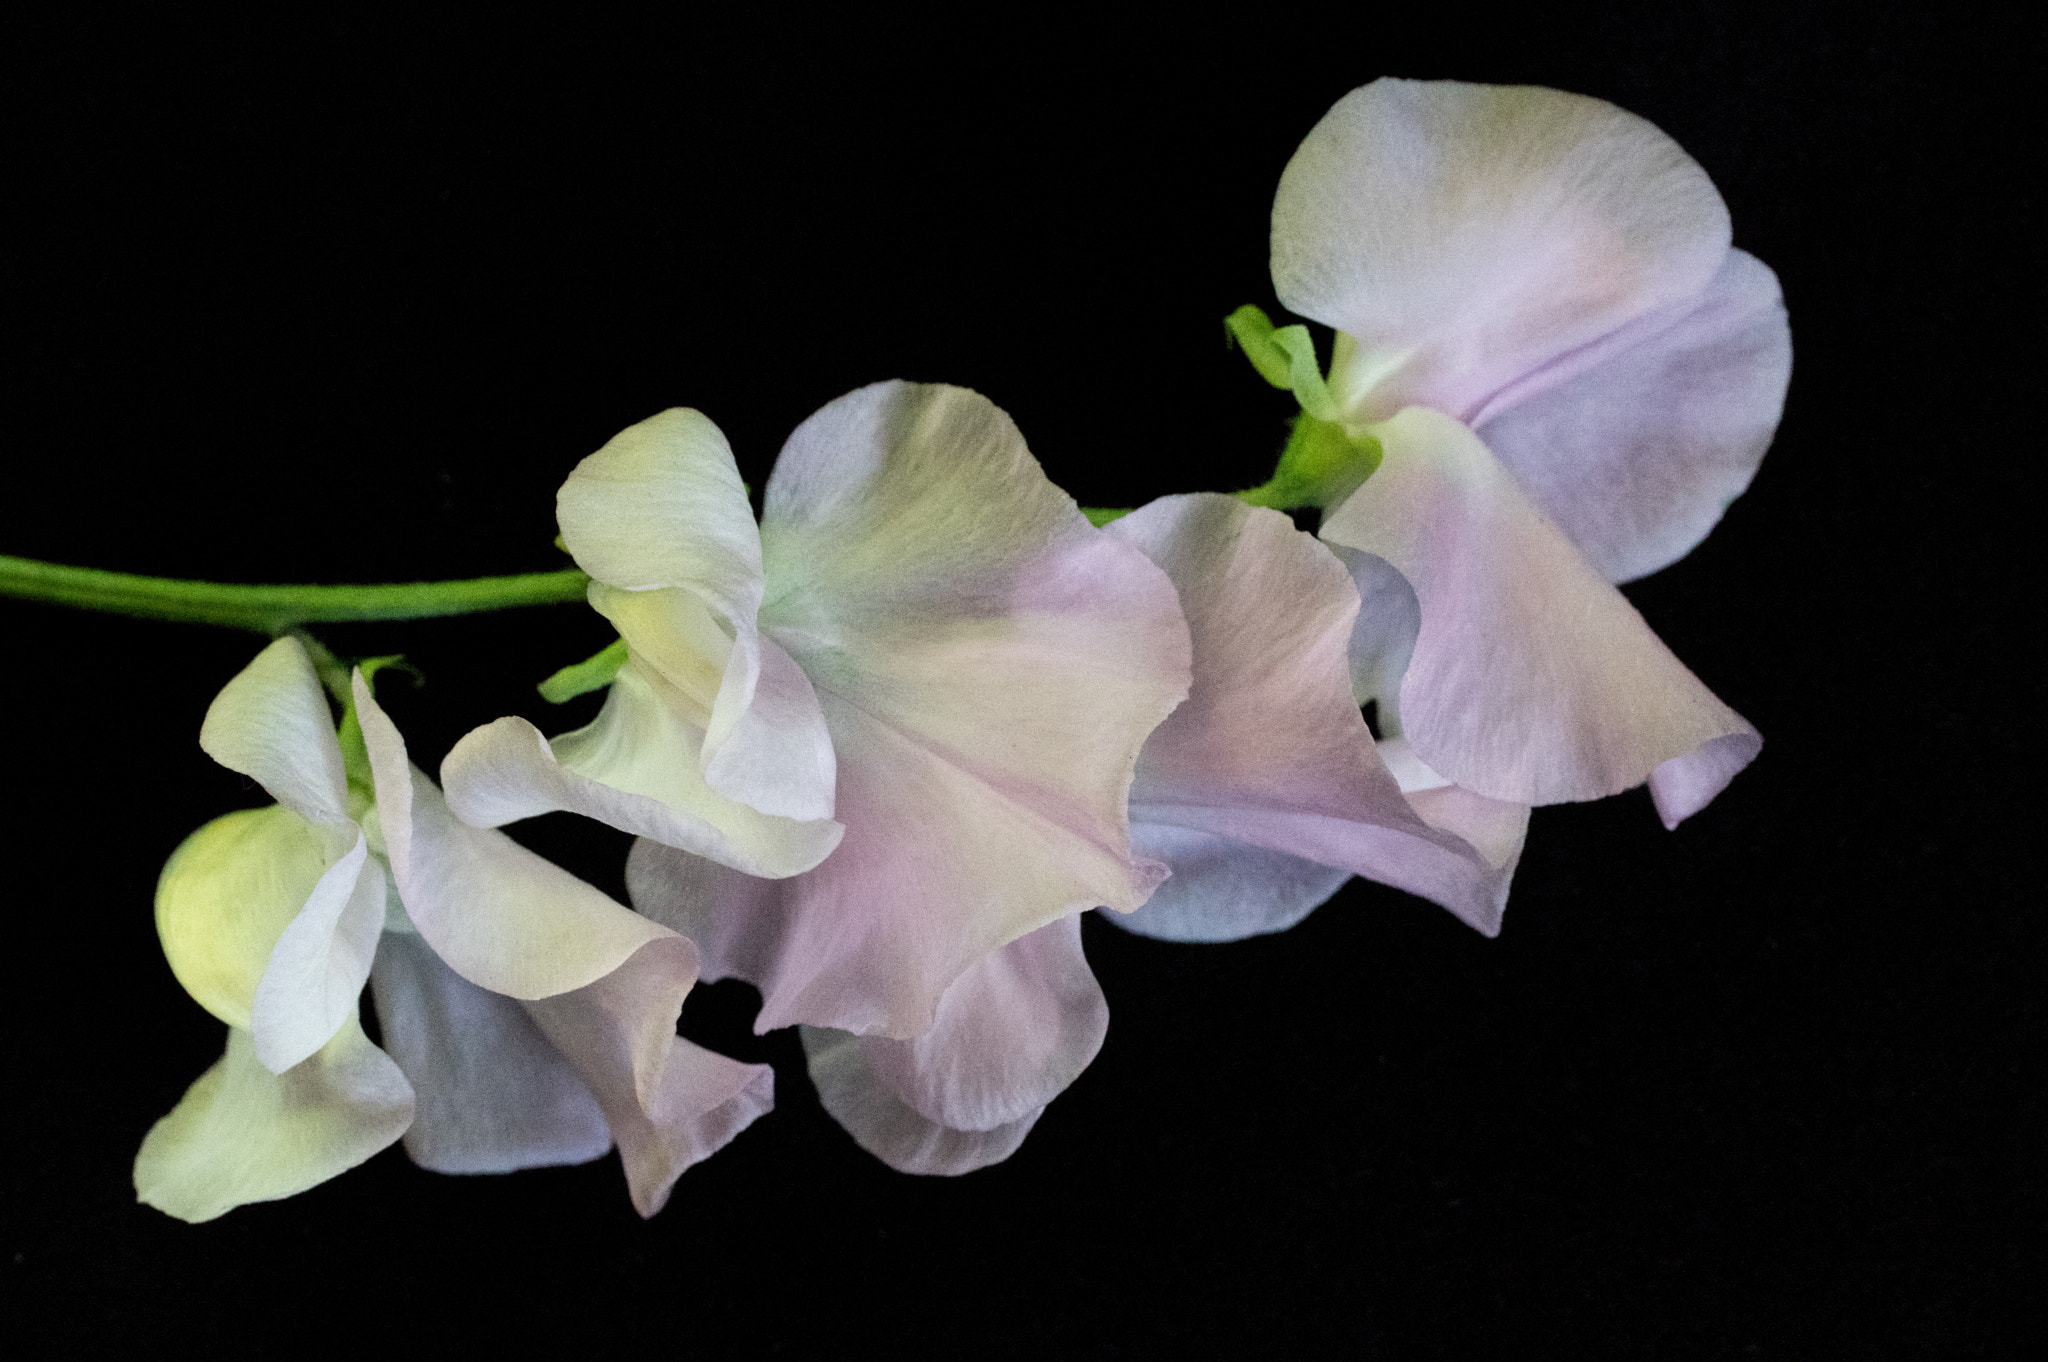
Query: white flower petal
(1635, 447)
(320, 963)
(243, 1133)
(635, 768)
(988, 664)
(1270, 749)
(1533, 681)
(226, 895)
(502, 917)
(272, 724)
(1468, 234)
(669, 1103)
(1222, 889)
(660, 512)
(884, 1125)
(492, 1094)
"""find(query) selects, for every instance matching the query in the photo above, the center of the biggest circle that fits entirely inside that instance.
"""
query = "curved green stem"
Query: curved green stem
(274, 609)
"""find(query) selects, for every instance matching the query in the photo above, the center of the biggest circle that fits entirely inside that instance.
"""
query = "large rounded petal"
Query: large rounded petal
(492, 1094)
(660, 513)
(320, 963)
(1635, 447)
(1466, 235)
(271, 723)
(888, 1127)
(669, 1103)
(989, 665)
(634, 768)
(226, 895)
(243, 1133)
(503, 918)
(1533, 681)
(1269, 749)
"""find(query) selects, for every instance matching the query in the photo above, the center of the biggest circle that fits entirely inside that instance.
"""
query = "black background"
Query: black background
(342, 298)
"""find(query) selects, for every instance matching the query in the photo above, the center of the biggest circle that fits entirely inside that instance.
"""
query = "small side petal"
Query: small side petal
(1468, 234)
(669, 1103)
(492, 1094)
(226, 895)
(243, 1133)
(635, 768)
(889, 1128)
(1634, 451)
(1269, 749)
(271, 723)
(320, 963)
(502, 917)
(1533, 681)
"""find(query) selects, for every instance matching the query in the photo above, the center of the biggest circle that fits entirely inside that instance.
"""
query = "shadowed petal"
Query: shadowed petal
(1634, 448)
(318, 967)
(1533, 681)
(492, 1094)
(1269, 749)
(502, 917)
(669, 1103)
(623, 770)
(243, 1133)
(1468, 234)
(887, 1127)
(988, 664)
(1222, 889)
(271, 723)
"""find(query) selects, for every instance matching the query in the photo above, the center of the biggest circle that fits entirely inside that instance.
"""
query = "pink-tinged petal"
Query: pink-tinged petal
(1269, 749)
(243, 1134)
(503, 918)
(271, 723)
(1533, 681)
(1222, 889)
(320, 963)
(492, 1094)
(1635, 449)
(660, 513)
(890, 1129)
(1466, 235)
(1494, 828)
(669, 1103)
(633, 768)
(988, 664)
(1383, 639)
(1684, 785)
(1013, 1031)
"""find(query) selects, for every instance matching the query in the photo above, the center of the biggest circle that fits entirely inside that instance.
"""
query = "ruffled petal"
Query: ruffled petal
(1635, 447)
(1013, 1031)
(243, 1133)
(320, 963)
(502, 917)
(226, 895)
(1222, 889)
(1495, 828)
(660, 513)
(1686, 784)
(1533, 681)
(272, 724)
(1465, 235)
(634, 768)
(1269, 749)
(889, 1128)
(492, 1094)
(669, 1103)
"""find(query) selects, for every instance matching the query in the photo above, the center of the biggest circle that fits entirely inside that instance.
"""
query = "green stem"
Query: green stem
(274, 609)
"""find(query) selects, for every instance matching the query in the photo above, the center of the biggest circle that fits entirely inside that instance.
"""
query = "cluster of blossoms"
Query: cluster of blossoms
(882, 749)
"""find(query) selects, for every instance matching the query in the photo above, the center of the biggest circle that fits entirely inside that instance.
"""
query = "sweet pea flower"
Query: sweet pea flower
(1553, 373)
(1265, 791)
(528, 1018)
(929, 653)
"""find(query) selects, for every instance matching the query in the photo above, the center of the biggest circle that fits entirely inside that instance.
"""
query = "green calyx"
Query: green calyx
(1324, 461)
(580, 678)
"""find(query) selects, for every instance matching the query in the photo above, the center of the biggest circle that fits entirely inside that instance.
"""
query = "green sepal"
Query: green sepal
(1322, 465)
(1098, 516)
(355, 754)
(1285, 357)
(580, 678)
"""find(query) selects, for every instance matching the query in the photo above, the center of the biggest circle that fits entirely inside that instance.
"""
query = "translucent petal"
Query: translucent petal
(320, 963)
(887, 1127)
(272, 724)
